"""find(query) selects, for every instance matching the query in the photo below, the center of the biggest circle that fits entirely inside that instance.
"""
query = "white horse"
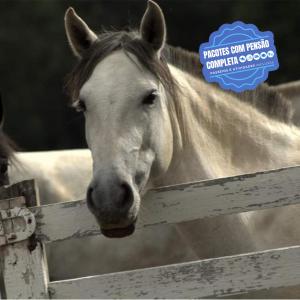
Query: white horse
(61, 175)
(150, 121)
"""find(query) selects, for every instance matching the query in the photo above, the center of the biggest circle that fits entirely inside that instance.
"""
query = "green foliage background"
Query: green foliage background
(34, 55)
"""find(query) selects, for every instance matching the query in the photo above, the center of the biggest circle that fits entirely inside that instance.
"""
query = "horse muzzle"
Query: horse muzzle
(112, 200)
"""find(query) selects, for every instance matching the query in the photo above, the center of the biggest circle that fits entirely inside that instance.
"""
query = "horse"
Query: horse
(151, 120)
(53, 171)
(7, 148)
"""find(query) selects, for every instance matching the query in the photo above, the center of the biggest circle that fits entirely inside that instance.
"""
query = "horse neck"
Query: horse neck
(223, 136)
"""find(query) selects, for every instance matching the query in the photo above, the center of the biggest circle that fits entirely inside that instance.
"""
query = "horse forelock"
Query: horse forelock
(109, 42)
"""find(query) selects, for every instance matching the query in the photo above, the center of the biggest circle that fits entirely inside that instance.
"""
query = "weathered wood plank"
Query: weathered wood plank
(207, 278)
(181, 203)
(25, 276)
(23, 267)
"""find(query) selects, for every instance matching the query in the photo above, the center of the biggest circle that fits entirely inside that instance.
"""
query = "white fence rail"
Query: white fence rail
(180, 203)
(206, 278)
(199, 279)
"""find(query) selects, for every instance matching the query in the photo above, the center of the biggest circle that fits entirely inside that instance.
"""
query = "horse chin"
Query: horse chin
(119, 232)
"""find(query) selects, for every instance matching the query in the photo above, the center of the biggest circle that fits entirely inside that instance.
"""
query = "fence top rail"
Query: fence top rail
(179, 203)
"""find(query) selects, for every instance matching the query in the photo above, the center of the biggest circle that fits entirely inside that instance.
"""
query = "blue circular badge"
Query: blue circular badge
(238, 56)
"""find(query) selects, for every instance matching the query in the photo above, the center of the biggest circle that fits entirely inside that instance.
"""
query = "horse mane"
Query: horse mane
(264, 98)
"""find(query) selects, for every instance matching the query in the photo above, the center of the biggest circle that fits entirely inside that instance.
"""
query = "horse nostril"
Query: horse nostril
(126, 197)
(139, 178)
(89, 197)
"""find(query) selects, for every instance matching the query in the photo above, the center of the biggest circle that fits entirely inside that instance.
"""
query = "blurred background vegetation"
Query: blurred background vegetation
(34, 55)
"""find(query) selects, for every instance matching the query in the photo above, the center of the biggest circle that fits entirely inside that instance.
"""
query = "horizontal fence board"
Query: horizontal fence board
(207, 278)
(180, 203)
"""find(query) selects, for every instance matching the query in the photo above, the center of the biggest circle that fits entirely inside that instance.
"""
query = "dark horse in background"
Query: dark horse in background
(6, 149)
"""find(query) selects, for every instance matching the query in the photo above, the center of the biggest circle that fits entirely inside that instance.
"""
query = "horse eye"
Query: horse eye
(80, 105)
(150, 98)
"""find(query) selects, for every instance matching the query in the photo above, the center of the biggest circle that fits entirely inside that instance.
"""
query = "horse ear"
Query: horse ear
(1, 112)
(153, 26)
(79, 35)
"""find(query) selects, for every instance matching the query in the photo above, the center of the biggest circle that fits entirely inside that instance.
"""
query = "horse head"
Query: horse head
(122, 84)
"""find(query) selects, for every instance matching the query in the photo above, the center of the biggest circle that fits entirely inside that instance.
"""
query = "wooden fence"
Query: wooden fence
(25, 227)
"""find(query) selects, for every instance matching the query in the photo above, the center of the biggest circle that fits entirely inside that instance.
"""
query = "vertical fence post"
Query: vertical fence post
(23, 266)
